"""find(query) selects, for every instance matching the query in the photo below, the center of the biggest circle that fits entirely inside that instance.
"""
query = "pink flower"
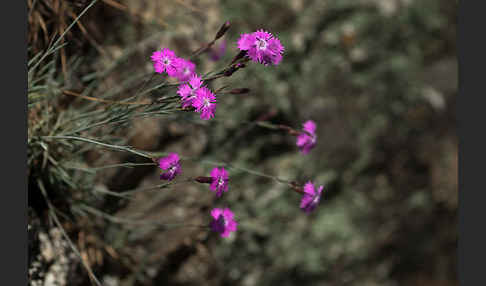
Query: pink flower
(164, 61)
(223, 221)
(310, 198)
(262, 47)
(219, 182)
(187, 92)
(185, 69)
(205, 103)
(171, 165)
(307, 140)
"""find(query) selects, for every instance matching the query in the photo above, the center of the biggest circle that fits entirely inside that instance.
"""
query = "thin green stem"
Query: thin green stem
(116, 147)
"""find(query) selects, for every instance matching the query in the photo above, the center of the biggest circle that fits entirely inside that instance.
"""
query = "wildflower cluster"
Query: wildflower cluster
(261, 47)
(191, 90)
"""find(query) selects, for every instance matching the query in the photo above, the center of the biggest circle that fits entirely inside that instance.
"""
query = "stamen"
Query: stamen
(261, 44)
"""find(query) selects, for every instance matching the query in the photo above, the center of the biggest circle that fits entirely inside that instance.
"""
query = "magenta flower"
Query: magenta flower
(311, 198)
(219, 182)
(262, 47)
(171, 165)
(164, 61)
(307, 140)
(205, 103)
(223, 221)
(185, 69)
(187, 92)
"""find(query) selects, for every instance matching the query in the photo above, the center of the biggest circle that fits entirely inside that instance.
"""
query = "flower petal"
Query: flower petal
(309, 188)
(215, 173)
(216, 212)
(245, 42)
(310, 126)
(159, 67)
(228, 214)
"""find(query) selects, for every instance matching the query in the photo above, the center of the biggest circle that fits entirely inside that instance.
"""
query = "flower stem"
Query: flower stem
(116, 147)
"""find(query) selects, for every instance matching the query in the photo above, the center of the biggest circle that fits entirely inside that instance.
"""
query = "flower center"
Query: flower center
(313, 139)
(220, 182)
(172, 169)
(186, 71)
(222, 221)
(206, 102)
(261, 44)
(166, 61)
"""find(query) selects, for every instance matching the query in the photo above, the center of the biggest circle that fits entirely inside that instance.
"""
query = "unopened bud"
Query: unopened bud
(234, 68)
(240, 55)
(222, 30)
(239, 91)
(204, 180)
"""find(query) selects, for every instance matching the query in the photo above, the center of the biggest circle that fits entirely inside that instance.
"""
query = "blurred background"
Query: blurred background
(379, 77)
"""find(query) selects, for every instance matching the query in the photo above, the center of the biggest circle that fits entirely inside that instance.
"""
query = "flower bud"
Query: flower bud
(234, 68)
(204, 180)
(240, 55)
(222, 30)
